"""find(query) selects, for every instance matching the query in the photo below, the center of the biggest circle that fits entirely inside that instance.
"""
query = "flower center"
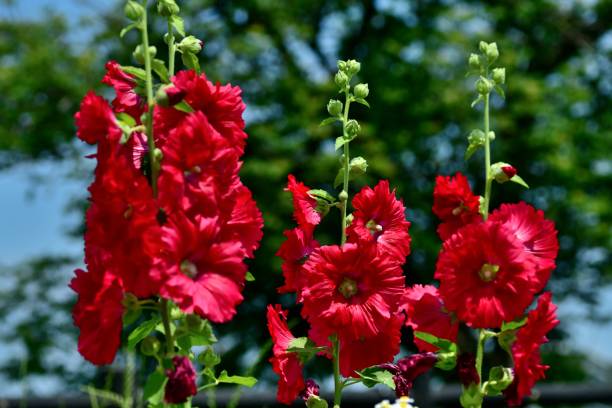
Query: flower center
(375, 228)
(459, 209)
(189, 268)
(127, 214)
(488, 271)
(348, 288)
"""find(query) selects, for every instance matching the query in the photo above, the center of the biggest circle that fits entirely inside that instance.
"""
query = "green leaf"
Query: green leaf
(513, 325)
(130, 316)
(125, 119)
(191, 61)
(499, 379)
(362, 101)
(249, 277)
(321, 195)
(471, 149)
(141, 332)
(341, 141)
(154, 387)
(518, 180)
(236, 379)
(442, 344)
(339, 177)
(372, 376)
(327, 121)
(183, 107)
(128, 28)
(160, 69)
(178, 24)
(137, 72)
(304, 348)
(209, 358)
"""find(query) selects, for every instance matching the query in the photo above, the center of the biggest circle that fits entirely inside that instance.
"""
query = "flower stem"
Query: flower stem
(338, 384)
(489, 178)
(150, 101)
(346, 161)
(480, 352)
(167, 329)
(171, 49)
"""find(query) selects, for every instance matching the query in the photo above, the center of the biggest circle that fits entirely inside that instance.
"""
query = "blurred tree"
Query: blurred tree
(555, 127)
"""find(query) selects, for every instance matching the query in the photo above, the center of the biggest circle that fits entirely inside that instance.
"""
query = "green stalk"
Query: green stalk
(167, 329)
(171, 49)
(480, 352)
(489, 179)
(150, 101)
(345, 183)
(338, 384)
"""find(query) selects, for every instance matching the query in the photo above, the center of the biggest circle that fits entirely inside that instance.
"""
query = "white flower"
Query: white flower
(402, 402)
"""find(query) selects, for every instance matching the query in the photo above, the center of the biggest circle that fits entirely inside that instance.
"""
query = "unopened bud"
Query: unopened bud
(190, 45)
(476, 137)
(492, 52)
(133, 10)
(150, 346)
(352, 67)
(167, 8)
(139, 56)
(499, 75)
(334, 107)
(362, 91)
(341, 79)
(502, 172)
(358, 164)
(474, 61)
(482, 46)
(169, 96)
(483, 86)
(343, 196)
(352, 128)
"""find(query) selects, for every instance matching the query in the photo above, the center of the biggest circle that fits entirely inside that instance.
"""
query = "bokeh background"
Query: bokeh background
(555, 127)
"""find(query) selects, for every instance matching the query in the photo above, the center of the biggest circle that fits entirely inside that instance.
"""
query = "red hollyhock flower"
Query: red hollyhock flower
(312, 389)
(294, 252)
(98, 314)
(425, 312)
(379, 217)
(201, 274)
(486, 277)
(304, 206)
(286, 365)
(199, 168)
(243, 220)
(222, 105)
(538, 235)
(350, 291)
(181, 381)
(406, 370)
(528, 367)
(127, 100)
(95, 120)
(454, 204)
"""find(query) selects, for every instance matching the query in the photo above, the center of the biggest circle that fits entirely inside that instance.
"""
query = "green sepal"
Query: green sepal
(130, 316)
(129, 28)
(183, 107)
(327, 121)
(362, 102)
(323, 195)
(443, 344)
(518, 180)
(178, 24)
(372, 376)
(514, 324)
(153, 391)
(500, 91)
(339, 177)
(315, 401)
(236, 379)
(304, 348)
(142, 331)
(471, 397)
(191, 61)
(249, 277)
(209, 358)
(341, 141)
(137, 72)
(475, 101)
(160, 69)
(499, 379)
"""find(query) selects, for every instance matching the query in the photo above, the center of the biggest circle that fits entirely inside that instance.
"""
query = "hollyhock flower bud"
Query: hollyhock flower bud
(492, 52)
(181, 381)
(133, 10)
(139, 56)
(352, 67)
(169, 96)
(474, 61)
(406, 370)
(150, 346)
(484, 86)
(334, 107)
(503, 172)
(341, 79)
(362, 91)
(167, 8)
(499, 75)
(466, 367)
(353, 128)
(190, 44)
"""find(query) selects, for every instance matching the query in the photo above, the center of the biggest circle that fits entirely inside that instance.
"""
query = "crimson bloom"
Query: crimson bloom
(537, 234)
(95, 121)
(528, 367)
(98, 314)
(304, 206)
(486, 277)
(425, 312)
(455, 204)
(294, 252)
(407, 369)
(126, 100)
(286, 365)
(349, 290)
(181, 381)
(379, 217)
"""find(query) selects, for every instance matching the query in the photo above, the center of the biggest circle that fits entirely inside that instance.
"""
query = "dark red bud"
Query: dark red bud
(509, 171)
(466, 367)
